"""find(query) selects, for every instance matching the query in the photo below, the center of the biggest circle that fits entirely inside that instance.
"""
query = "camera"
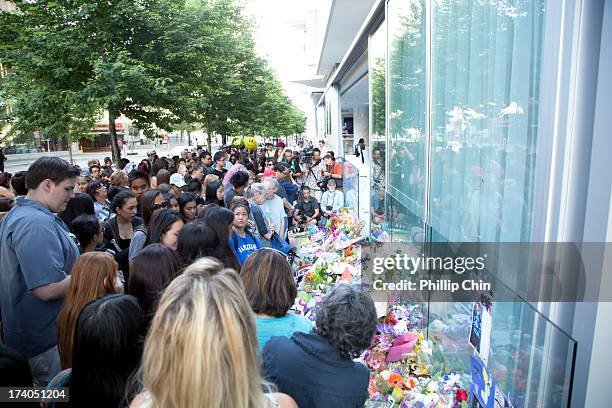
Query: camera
(306, 155)
(328, 208)
(302, 219)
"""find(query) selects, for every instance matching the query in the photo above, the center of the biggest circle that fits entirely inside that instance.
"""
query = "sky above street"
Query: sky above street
(286, 35)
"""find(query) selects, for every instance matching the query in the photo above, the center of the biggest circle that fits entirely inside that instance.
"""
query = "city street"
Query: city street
(19, 162)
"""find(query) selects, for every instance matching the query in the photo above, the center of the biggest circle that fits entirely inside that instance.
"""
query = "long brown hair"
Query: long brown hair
(93, 276)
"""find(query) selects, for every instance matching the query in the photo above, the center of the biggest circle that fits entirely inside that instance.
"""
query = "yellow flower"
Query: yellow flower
(397, 394)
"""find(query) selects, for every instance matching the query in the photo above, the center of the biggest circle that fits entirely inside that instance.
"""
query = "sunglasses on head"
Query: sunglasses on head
(263, 249)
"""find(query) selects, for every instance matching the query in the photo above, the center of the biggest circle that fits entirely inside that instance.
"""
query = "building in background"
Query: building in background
(289, 34)
(487, 121)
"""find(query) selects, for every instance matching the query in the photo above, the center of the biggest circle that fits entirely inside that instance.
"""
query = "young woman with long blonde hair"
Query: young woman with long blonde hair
(201, 349)
(94, 275)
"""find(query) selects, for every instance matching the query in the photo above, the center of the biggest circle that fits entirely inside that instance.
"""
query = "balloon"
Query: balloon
(237, 142)
(250, 143)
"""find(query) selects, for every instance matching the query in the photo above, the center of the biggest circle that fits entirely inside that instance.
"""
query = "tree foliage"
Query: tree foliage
(164, 64)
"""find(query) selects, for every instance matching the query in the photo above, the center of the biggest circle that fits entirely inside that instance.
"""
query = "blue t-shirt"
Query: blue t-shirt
(35, 250)
(280, 326)
(243, 247)
(290, 189)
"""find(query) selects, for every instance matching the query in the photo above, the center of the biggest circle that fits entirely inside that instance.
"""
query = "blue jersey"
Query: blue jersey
(243, 247)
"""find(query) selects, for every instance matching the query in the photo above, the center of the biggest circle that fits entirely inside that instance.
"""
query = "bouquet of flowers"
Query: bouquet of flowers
(396, 386)
(318, 277)
(403, 371)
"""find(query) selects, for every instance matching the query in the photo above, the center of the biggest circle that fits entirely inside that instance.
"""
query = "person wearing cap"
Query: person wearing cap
(150, 154)
(177, 182)
(331, 200)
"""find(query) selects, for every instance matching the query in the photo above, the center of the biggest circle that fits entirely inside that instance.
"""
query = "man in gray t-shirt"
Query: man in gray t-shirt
(36, 258)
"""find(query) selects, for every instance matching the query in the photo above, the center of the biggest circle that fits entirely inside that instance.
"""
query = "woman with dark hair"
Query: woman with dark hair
(80, 204)
(187, 204)
(93, 275)
(172, 202)
(14, 370)
(196, 240)
(151, 202)
(214, 194)
(97, 191)
(271, 290)
(145, 167)
(5, 179)
(119, 230)
(106, 350)
(194, 186)
(162, 177)
(242, 241)
(220, 220)
(159, 177)
(345, 326)
(150, 272)
(238, 182)
(88, 231)
(164, 228)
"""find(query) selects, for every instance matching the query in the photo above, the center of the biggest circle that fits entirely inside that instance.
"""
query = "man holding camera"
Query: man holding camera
(306, 210)
(332, 170)
(313, 169)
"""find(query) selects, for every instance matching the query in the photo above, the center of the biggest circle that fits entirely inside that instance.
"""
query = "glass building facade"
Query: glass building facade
(474, 137)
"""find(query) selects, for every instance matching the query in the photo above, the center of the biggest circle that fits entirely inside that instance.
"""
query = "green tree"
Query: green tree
(70, 60)
(164, 64)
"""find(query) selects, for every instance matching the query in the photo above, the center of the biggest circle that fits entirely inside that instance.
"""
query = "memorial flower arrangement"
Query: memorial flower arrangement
(402, 372)
(406, 369)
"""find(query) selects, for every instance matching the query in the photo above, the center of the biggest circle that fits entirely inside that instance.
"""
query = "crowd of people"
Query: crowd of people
(166, 283)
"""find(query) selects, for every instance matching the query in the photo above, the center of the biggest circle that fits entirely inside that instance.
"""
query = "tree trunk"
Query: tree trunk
(209, 141)
(224, 139)
(112, 115)
(68, 141)
(188, 138)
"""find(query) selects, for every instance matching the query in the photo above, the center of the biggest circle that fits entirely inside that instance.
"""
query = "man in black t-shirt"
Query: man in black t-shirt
(219, 169)
(306, 210)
